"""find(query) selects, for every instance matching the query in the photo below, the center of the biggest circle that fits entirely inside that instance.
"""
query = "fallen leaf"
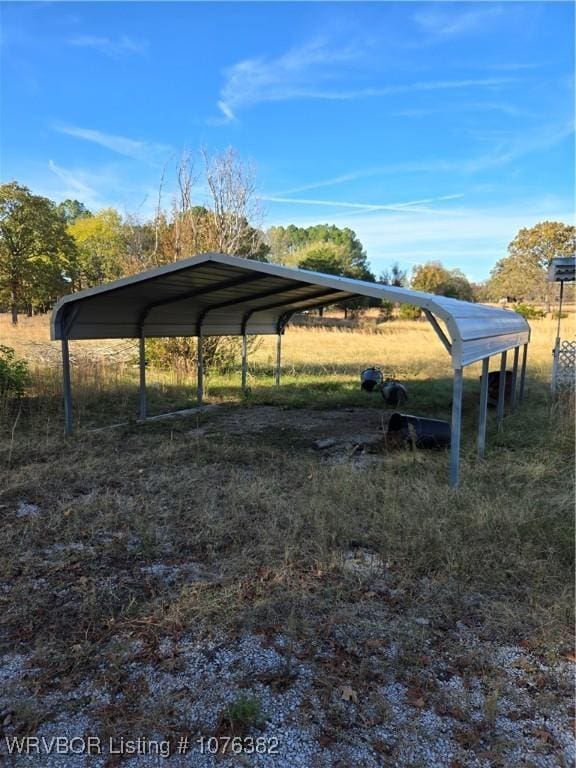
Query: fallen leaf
(525, 665)
(416, 698)
(467, 738)
(381, 747)
(448, 710)
(544, 736)
(571, 657)
(325, 740)
(348, 694)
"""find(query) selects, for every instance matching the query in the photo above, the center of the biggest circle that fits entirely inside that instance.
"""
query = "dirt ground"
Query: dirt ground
(330, 433)
(345, 662)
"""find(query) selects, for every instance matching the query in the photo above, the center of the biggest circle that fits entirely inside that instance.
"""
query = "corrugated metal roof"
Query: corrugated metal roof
(216, 295)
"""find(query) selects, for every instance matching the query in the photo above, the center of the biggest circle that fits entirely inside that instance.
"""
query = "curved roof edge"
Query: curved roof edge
(216, 294)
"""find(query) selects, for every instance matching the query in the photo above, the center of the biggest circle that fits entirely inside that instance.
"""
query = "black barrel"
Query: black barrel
(494, 386)
(418, 432)
(370, 379)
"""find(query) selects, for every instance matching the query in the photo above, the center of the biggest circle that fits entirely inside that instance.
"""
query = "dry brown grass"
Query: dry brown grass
(265, 523)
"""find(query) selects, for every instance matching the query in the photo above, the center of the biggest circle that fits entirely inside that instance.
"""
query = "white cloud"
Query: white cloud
(111, 47)
(307, 73)
(362, 206)
(298, 73)
(453, 24)
(99, 187)
(146, 151)
(76, 184)
(332, 181)
(543, 138)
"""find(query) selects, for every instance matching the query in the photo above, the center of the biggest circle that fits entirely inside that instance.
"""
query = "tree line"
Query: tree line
(48, 249)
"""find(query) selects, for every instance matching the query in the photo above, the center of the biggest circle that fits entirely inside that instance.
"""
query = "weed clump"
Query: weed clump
(14, 373)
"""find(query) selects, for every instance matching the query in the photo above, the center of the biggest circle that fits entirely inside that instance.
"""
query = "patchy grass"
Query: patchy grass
(230, 521)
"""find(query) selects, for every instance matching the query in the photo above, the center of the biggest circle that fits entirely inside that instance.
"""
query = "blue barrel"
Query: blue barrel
(370, 379)
(418, 432)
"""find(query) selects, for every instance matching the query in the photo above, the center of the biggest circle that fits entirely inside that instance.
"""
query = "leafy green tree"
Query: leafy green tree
(36, 252)
(327, 243)
(101, 244)
(522, 274)
(333, 258)
(71, 210)
(432, 277)
(327, 258)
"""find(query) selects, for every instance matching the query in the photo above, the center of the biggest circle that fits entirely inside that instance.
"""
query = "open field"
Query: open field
(218, 575)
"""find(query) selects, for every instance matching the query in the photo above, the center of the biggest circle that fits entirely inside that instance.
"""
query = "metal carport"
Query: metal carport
(217, 295)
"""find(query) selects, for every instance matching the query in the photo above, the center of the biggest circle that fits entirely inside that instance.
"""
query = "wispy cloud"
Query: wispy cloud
(145, 151)
(353, 176)
(114, 48)
(104, 186)
(309, 72)
(298, 73)
(75, 183)
(449, 24)
(539, 140)
(366, 207)
(501, 107)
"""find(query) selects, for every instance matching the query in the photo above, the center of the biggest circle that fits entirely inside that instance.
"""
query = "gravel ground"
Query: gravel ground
(305, 723)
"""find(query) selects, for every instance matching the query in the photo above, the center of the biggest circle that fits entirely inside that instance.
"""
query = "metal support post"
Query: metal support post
(501, 390)
(514, 380)
(456, 428)
(278, 358)
(142, 362)
(67, 387)
(200, 370)
(483, 415)
(556, 350)
(523, 373)
(244, 362)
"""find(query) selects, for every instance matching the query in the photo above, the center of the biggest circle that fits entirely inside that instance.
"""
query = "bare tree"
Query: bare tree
(235, 211)
(159, 218)
(183, 235)
(225, 222)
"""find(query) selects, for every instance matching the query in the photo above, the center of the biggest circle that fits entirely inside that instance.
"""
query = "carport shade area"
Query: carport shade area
(218, 295)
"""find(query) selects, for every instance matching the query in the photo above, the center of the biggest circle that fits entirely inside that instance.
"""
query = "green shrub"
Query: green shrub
(559, 315)
(530, 312)
(245, 713)
(386, 311)
(408, 312)
(220, 353)
(14, 373)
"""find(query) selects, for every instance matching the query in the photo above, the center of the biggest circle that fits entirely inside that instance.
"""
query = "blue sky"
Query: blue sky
(434, 130)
